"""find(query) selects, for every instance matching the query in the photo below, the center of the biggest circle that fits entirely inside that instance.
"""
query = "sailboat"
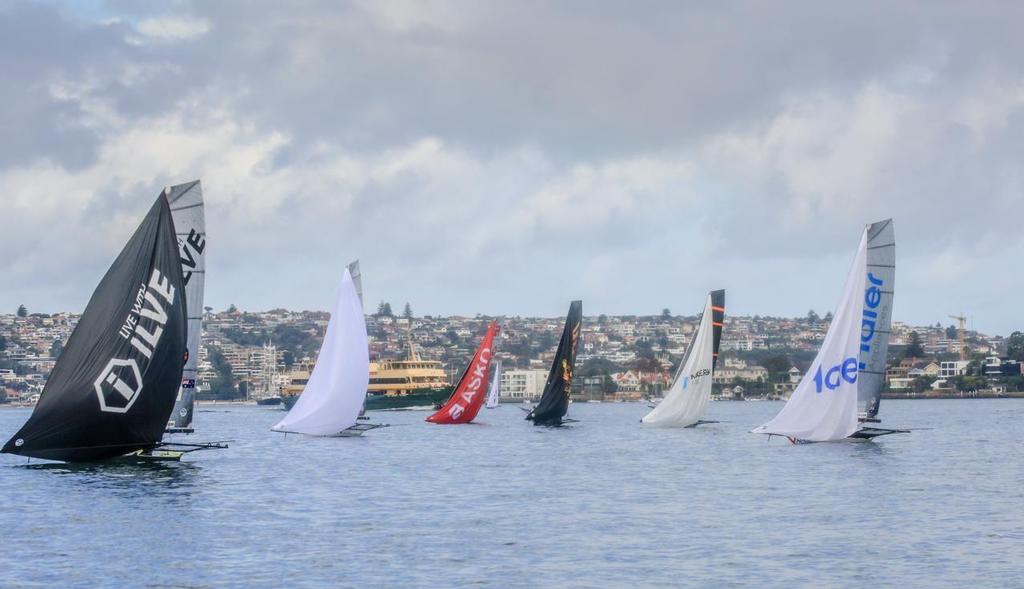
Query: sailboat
(687, 399)
(494, 392)
(468, 396)
(186, 204)
(330, 403)
(840, 392)
(114, 387)
(554, 402)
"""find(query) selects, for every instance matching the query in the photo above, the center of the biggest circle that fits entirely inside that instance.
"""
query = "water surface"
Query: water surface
(500, 503)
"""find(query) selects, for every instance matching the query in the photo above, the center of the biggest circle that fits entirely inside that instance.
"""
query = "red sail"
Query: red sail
(469, 394)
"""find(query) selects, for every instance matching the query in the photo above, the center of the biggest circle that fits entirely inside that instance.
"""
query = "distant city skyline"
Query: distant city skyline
(632, 157)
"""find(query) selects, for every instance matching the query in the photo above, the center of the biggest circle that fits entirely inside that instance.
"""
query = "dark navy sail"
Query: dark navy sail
(555, 400)
(114, 387)
(717, 317)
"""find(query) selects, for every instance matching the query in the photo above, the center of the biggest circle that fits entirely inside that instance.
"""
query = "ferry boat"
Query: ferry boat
(407, 384)
(394, 384)
(296, 383)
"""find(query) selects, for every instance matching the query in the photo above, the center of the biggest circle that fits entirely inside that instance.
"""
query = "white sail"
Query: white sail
(877, 318)
(331, 401)
(687, 399)
(357, 279)
(824, 405)
(186, 203)
(495, 391)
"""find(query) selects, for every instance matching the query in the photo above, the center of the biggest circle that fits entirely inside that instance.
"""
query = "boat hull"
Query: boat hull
(425, 399)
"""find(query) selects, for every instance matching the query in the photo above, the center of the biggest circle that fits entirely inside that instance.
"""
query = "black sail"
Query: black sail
(717, 317)
(114, 386)
(555, 400)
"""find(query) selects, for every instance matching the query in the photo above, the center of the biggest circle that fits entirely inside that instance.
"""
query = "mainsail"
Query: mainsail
(113, 388)
(494, 393)
(687, 399)
(555, 401)
(875, 324)
(186, 203)
(357, 279)
(468, 396)
(824, 405)
(334, 394)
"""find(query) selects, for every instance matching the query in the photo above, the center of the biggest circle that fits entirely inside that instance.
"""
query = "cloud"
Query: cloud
(483, 157)
(169, 29)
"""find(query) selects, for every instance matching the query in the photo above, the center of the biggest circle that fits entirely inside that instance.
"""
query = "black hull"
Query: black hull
(870, 433)
(93, 454)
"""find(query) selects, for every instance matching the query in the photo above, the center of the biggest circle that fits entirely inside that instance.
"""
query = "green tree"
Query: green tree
(914, 348)
(22, 311)
(407, 312)
(666, 313)
(597, 366)
(56, 348)
(3, 343)
(952, 332)
(777, 366)
(922, 383)
(812, 317)
(1015, 346)
(223, 385)
(608, 385)
(232, 309)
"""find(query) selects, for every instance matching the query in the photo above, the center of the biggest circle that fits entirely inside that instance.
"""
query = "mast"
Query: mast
(554, 402)
(187, 210)
(877, 317)
(113, 389)
(468, 397)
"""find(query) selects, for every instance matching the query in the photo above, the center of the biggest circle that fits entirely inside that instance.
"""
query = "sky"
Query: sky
(506, 157)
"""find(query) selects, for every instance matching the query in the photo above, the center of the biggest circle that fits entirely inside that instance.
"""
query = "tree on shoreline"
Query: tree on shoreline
(22, 311)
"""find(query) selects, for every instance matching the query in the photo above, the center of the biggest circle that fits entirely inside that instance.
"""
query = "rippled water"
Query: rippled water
(605, 503)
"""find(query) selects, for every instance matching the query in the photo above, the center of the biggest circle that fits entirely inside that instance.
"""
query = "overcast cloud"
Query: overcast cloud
(505, 157)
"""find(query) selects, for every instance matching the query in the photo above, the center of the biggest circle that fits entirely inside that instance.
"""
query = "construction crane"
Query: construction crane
(962, 332)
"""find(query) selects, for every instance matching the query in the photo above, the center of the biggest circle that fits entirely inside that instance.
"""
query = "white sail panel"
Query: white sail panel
(357, 279)
(494, 393)
(824, 405)
(687, 399)
(334, 395)
(877, 316)
(187, 211)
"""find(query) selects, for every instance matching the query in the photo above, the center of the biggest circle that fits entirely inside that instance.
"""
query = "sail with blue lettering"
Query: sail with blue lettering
(877, 317)
(186, 203)
(824, 405)
(113, 388)
(686, 402)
